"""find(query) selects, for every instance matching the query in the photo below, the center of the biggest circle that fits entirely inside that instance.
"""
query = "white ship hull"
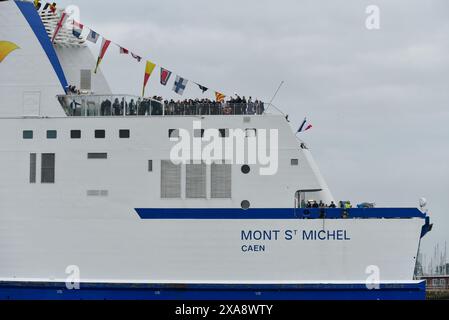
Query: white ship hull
(149, 251)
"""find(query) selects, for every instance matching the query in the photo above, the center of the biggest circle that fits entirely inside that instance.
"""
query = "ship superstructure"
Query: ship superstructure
(88, 183)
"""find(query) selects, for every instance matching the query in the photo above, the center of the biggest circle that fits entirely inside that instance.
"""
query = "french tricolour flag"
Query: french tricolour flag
(305, 126)
(77, 29)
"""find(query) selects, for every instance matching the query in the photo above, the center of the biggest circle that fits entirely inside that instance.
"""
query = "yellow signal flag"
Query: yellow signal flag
(148, 71)
(6, 48)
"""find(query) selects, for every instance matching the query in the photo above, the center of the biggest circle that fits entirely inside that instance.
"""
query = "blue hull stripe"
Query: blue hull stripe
(29, 12)
(43, 291)
(276, 214)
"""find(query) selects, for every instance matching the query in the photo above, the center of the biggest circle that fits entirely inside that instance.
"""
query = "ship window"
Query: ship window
(75, 134)
(96, 156)
(28, 134)
(196, 181)
(224, 133)
(246, 169)
(198, 133)
(173, 134)
(170, 180)
(221, 181)
(124, 134)
(48, 168)
(52, 134)
(246, 205)
(251, 133)
(100, 134)
(295, 162)
(150, 165)
(33, 159)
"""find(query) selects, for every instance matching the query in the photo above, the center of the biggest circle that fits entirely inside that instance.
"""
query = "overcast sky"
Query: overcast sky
(379, 100)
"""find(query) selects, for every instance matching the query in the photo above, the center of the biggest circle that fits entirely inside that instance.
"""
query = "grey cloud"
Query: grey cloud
(378, 99)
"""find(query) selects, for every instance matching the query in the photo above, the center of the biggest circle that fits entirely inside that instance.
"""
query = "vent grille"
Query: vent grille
(33, 161)
(97, 156)
(48, 168)
(170, 180)
(221, 181)
(97, 193)
(86, 80)
(196, 181)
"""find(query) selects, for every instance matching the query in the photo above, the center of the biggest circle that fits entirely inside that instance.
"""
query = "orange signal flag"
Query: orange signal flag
(220, 97)
(148, 71)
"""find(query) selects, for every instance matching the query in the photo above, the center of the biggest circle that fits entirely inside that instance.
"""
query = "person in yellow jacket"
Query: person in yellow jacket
(348, 205)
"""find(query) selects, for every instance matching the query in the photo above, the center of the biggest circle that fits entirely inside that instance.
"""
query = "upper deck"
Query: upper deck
(90, 105)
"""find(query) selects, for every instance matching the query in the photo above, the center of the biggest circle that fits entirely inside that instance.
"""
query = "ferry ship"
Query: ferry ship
(92, 205)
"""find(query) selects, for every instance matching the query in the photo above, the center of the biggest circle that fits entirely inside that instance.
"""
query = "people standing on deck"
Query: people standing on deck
(123, 107)
(74, 106)
(156, 106)
(132, 108)
(251, 108)
(103, 108)
(243, 106)
(116, 107)
(139, 102)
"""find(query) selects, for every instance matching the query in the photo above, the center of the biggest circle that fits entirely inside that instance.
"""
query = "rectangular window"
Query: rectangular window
(251, 133)
(198, 133)
(224, 133)
(28, 134)
(75, 134)
(221, 181)
(48, 168)
(124, 134)
(170, 180)
(150, 165)
(96, 156)
(173, 134)
(52, 134)
(33, 159)
(100, 134)
(196, 181)
(295, 162)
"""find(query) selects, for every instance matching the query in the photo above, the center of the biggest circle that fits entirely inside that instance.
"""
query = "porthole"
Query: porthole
(246, 169)
(246, 205)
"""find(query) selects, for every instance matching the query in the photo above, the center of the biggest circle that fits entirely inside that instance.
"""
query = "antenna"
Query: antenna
(276, 93)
